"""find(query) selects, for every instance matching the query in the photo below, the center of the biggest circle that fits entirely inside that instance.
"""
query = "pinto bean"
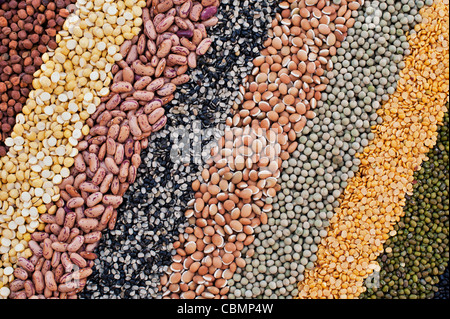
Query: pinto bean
(59, 246)
(111, 165)
(143, 123)
(98, 130)
(78, 260)
(129, 105)
(164, 48)
(119, 154)
(142, 83)
(203, 46)
(196, 11)
(115, 100)
(112, 220)
(131, 56)
(88, 224)
(70, 218)
(89, 187)
(149, 30)
(177, 59)
(181, 79)
(156, 115)
(211, 22)
(106, 215)
(124, 132)
(121, 87)
(47, 218)
(142, 95)
(159, 124)
(35, 248)
(40, 236)
(20, 273)
(94, 199)
(99, 176)
(106, 183)
(64, 234)
(79, 163)
(125, 47)
(123, 171)
(197, 37)
(75, 202)
(16, 285)
(80, 178)
(143, 70)
(134, 127)
(132, 172)
(166, 89)
(50, 281)
(75, 244)
(66, 262)
(128, 148)
(72, 191)
(38, 281)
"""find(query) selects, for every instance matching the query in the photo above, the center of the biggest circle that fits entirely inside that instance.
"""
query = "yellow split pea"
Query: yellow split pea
(373, 200)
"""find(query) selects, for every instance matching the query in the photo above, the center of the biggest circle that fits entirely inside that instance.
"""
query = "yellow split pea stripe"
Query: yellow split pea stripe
(373, 200)
(66, 90)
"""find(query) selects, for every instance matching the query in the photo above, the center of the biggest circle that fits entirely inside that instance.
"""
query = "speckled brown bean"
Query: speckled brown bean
(50, 282)
(27, 32)
(75, 244)
(78, 260)
(88, 224)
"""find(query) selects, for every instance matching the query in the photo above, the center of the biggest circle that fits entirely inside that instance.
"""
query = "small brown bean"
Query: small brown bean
(88, 224)
(149, 30)
(76, 243)
(143, 95)
(203, 46)
(38, 281)
(119, 154)
(94, 211)
(78, 260)
(94, 199)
